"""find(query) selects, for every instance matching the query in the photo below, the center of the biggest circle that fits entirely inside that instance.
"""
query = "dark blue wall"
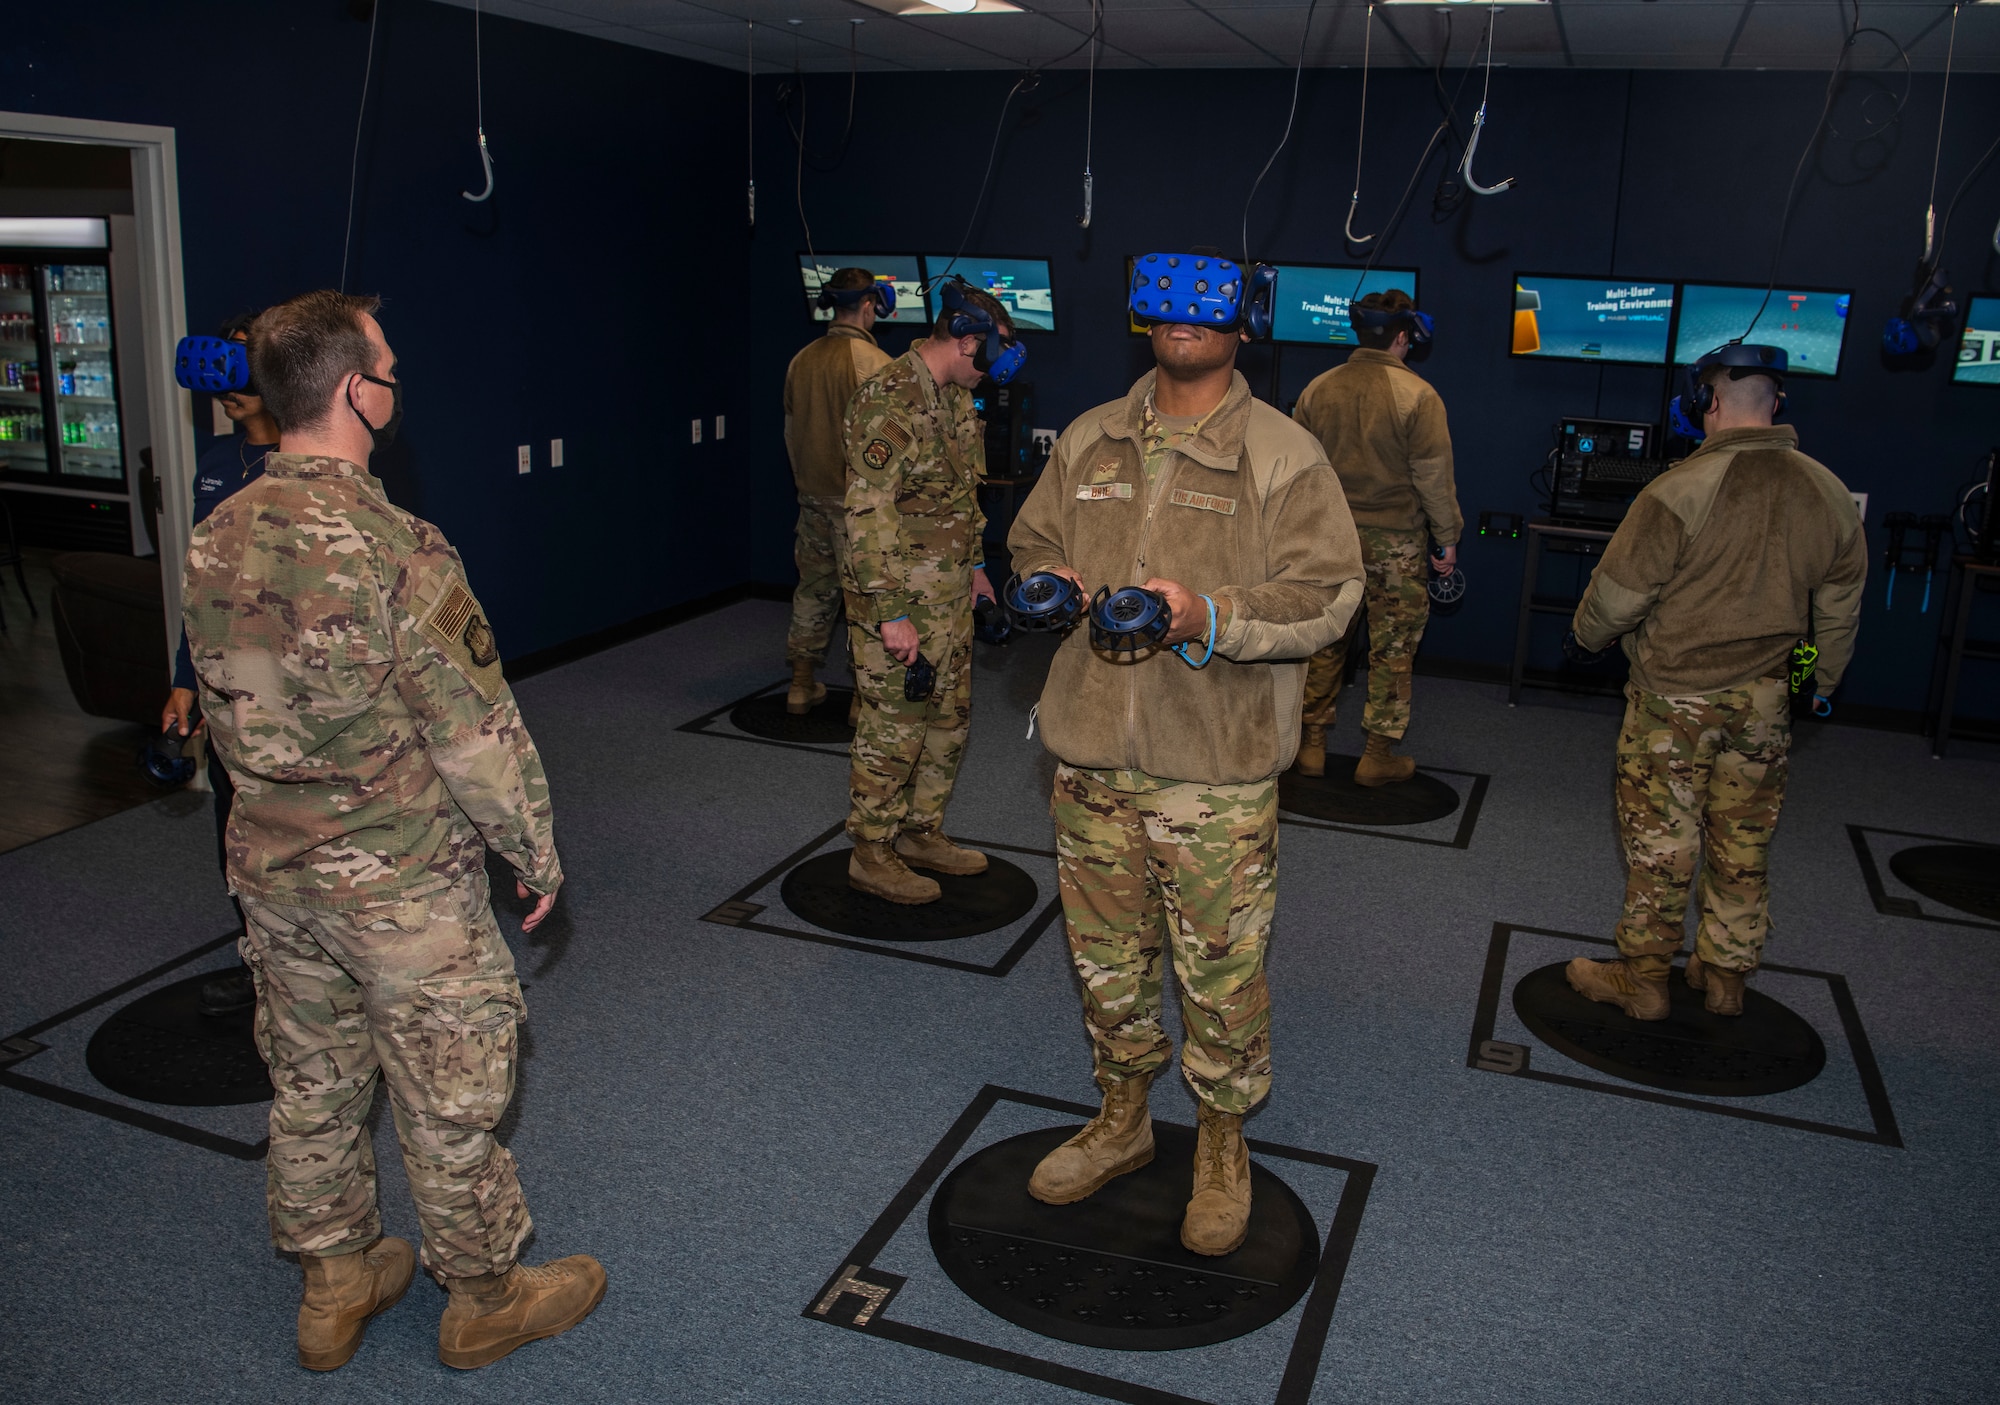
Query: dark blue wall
(1663, 175)
(572, 305)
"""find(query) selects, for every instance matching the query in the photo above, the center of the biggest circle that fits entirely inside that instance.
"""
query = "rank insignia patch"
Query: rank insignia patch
(876, 455)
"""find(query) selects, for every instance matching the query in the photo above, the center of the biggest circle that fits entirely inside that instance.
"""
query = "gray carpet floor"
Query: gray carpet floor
(719, 1113)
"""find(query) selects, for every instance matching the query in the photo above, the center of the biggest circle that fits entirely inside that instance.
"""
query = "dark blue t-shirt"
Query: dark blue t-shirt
(227, 466)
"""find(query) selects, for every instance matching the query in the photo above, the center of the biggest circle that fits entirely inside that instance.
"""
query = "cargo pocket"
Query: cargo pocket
(469, 1030)
(260, 1020)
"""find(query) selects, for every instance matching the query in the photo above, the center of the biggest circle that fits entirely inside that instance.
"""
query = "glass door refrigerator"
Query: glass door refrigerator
(60, 427)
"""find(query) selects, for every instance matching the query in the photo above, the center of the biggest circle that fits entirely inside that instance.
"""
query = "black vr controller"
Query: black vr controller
(1130, 620)
(165, 761)
(1575, 652)
(991, 623)
(919, 680)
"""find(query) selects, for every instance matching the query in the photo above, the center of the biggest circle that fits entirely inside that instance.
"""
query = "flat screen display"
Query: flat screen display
(1979, 348)
(899, 269)
(1809, 323)
(1312, 300)
(1022, 286)
(1622, 320)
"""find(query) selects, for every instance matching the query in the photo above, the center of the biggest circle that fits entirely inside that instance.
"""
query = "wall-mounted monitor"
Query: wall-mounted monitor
(1312, 300)
(1809, 323)
(1979, 348)
(1022, 286)
(899, 269)
(1622, 320)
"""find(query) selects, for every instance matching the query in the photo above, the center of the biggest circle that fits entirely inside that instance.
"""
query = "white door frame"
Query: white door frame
(156, 204)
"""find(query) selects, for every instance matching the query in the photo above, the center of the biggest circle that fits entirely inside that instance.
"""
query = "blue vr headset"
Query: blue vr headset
(1202, 290)
(1000, 357)
(1420, 324)
(212, 364)
(883, 292)
(1743, 359)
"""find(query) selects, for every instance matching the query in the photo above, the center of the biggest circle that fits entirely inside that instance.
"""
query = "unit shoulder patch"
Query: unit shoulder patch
(877, 454)
(457, 628)
(1100, 492)
(1207, 502)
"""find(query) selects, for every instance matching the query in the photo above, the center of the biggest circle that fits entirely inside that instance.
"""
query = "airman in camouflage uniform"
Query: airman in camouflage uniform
(1399, 608)
(353, 688)
(1723, 564)
(915, 455)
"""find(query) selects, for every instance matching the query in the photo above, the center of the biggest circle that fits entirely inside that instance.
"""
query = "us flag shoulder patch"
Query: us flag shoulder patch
(457, 628)
(896, 434)
(1207, 502)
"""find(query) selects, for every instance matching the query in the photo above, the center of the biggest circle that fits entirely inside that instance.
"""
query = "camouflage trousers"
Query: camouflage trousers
(817, 549)
(905, 757)
(420, 992)
(1701, 775)
(1191, 867)
(1397, 596)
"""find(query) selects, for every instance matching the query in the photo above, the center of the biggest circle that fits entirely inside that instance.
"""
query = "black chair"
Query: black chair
(10, 555)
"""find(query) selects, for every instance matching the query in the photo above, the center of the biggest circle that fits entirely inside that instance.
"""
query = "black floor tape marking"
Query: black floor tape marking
(1895, 905)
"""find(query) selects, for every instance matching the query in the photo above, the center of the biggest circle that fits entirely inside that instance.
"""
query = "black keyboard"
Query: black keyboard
(1638, 472)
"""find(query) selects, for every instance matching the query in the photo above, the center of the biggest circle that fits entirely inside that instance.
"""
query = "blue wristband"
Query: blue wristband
(1181, 649)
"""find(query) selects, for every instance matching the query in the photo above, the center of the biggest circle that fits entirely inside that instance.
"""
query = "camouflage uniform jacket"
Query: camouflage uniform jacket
(353, 690)
(916, 451)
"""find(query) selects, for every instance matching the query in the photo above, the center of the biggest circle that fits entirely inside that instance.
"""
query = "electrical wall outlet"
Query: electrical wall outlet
(555, 453)
(220, 425)
(524, 459)
(697, 432)
(721, 427)
(1860, 503)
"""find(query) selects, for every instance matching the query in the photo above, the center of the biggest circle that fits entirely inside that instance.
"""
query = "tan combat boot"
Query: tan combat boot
(494, 1313)
(873, 867)
(1723, 989)
(927, 848)
(854, 709)
(1380, 766)
(806, 692)
(1117, 1140)
(1635, 984)
(1218, 1215)
(1312, 750)
(342, 1292)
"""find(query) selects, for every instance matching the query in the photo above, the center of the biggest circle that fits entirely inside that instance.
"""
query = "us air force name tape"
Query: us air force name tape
(211, 364)
(1201, 290)
(1688, 409)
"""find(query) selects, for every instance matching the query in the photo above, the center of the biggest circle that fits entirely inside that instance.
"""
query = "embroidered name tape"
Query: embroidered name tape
(1207, 502)
(1098, 492)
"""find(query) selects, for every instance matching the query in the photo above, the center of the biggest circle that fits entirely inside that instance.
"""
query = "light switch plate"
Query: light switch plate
(721, 427)
(697, 432)
(555, 453)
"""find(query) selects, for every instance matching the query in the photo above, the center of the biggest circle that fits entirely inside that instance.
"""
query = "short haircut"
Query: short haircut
(301, 350)
(979, 298)
(239, 325)
(1726, 378)
(1383, 337)
(847, 279)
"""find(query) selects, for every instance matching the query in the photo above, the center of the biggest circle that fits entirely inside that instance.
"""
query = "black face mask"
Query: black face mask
(385, 435)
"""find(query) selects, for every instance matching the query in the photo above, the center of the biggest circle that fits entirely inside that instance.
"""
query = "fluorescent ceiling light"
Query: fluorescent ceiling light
(1485, 4)
(956, 7)
(918, 8)
(54, 233)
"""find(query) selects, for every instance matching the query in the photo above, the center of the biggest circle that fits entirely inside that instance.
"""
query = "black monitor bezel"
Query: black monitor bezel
(918, 259)
(1970, 298)
(1055, 307)
(1416, 292)
(1673, 322)
(1681, 285)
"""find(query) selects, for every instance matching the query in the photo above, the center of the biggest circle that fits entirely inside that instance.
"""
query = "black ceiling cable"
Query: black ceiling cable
(797, 88)
(1825, 108)
(354, 163)
(1297, 73)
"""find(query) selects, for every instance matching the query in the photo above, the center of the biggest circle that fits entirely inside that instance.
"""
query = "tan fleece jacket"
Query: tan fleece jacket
(1247, 512)
(1384, 432)
(818, 384)
(1707, 577)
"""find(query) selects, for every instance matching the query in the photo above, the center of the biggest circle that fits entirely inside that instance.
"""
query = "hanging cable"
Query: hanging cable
(750, 114)
(1479, 121)
(479, 87)
(1297, 74)
(1361, 130)
(1447, 104)
(1785, 221)
(1090, 109)
(1937, 152)
(797, 88)
(1025, 82)
(354, 163)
